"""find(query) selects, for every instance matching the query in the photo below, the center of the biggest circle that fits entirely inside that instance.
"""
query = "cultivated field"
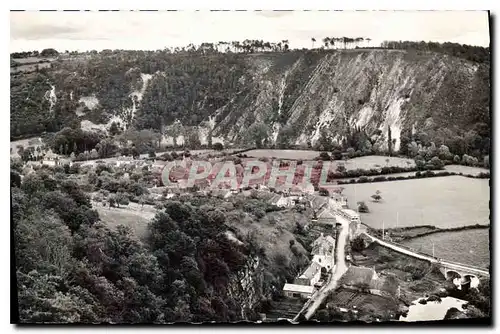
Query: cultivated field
(450, 201)
(348, 299)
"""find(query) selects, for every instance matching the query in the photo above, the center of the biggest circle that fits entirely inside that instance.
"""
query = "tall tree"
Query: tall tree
(389, 141)
(332, 42)
(326, 41)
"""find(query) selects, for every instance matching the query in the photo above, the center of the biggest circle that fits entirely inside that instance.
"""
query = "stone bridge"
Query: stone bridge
(460, 274)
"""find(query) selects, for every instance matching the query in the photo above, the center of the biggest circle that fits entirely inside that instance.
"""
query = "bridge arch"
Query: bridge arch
(455, 277)
(471, 280)
(452, 275)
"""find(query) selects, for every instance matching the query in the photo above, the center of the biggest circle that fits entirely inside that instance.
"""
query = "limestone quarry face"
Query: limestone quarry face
(366, 89)
(301, 94)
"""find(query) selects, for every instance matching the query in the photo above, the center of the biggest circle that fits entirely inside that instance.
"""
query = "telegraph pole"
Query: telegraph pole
(433, 250)
(383, 230)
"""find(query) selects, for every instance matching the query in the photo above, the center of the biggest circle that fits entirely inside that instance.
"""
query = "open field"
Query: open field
(283, 154)
(131, 215)
(378, 161)
(29, 67)
(367, 162)
(31, 60)
(468, 246)
(444, 202)
(35, 141)
(466, 169)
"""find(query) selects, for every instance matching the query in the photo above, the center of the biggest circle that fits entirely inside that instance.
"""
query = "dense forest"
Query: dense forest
(473, 53)
(73, 268)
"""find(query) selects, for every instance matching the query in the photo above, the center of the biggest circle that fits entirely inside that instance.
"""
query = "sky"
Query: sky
(82, 31)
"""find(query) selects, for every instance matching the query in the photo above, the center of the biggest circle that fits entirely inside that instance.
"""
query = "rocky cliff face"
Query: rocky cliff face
(366, 89)
(246, 287)
(299, 95)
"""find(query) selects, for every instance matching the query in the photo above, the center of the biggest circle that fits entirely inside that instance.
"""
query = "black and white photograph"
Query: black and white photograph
(259, 166)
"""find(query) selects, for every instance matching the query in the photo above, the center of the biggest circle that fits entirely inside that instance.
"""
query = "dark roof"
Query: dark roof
(357, 276)
(318, 202)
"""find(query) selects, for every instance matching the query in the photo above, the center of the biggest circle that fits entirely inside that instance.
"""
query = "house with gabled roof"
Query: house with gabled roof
(311, 275)
(326, 216)
(323, 245)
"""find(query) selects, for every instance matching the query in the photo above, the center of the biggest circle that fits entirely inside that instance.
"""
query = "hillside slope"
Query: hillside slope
(299, 95)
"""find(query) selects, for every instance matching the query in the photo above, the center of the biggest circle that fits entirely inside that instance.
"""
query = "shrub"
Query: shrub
(436, 163)
(165, 157)
(218, 146)
(358, 244)
(434, 298)
(324, 156)
(362, 207)
(323, 192)
(363, 179)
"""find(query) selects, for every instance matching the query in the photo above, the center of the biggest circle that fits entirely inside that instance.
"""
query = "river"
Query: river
(431, 310)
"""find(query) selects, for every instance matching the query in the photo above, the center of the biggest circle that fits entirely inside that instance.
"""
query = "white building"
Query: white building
(338, 201)
(281, 201)
(309, 189)
(298, 291)
(311, 275)
(354, 220)
(351, 215)
(325, 261)
(323, 245)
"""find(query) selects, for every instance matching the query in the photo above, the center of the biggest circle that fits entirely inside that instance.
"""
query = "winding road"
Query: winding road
(340, 269)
